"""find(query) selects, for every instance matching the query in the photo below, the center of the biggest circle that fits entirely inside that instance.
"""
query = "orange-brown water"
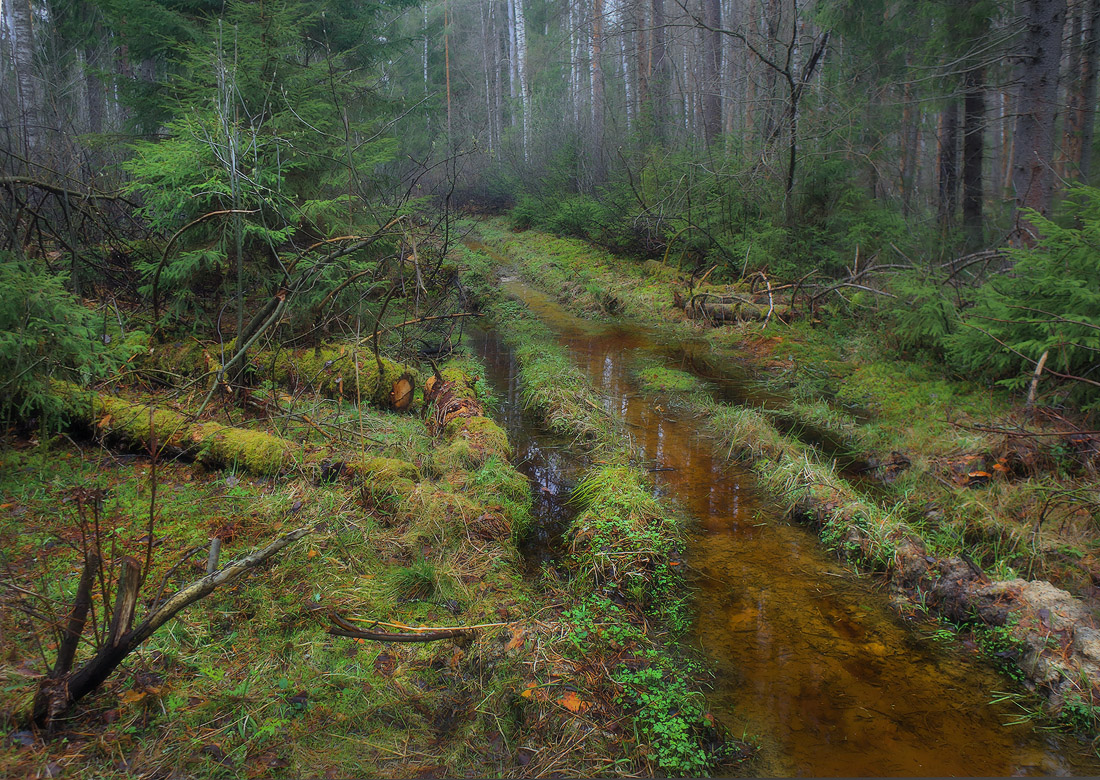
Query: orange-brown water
(810, 659)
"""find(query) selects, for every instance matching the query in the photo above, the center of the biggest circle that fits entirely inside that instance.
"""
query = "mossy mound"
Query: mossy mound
(622, 534)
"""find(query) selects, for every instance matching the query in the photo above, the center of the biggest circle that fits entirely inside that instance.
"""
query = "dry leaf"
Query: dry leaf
(517, 639)
(312, 554)
(130, 697)
(105, 421)
(574, 703)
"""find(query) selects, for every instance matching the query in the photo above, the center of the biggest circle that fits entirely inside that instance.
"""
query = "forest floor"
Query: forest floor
(976, 508)
(414, 519)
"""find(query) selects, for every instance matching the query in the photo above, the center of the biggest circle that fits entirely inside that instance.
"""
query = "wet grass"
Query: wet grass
(248, 681)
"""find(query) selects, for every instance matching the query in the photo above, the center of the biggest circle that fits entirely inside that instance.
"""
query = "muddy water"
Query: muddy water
(809, 659)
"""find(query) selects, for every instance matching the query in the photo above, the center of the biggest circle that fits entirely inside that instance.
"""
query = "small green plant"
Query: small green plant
(672, 719)
(1078, 715)
(419, 581)
(998, 645)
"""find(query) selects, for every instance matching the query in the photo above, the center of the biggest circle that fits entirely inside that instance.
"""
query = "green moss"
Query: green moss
(484, 437)
(387, 469)
(500, 480)
(211, 443)
(622, 535)
(334, 370)
(660, 380)
(391, 477)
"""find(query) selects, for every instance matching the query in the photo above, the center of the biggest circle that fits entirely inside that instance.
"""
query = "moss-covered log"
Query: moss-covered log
(209, 443)
(458, 417)
(334, 371)
(342, 371)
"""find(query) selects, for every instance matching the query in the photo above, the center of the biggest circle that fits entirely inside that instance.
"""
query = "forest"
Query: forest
(549, 388)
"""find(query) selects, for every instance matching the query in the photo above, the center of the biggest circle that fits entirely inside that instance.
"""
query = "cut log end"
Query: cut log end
(401, 396)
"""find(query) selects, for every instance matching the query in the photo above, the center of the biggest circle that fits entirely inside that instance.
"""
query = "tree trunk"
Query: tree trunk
(909, 154)
(597, 91)
(659, 83)
(712, 68)
(21, 21)
(1089, 61)
(521, 71)
(949, 162)
(1069, 155)
(973, 153)
(1036, 109)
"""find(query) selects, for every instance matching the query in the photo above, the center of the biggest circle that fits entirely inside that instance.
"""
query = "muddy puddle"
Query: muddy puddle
(810, 660)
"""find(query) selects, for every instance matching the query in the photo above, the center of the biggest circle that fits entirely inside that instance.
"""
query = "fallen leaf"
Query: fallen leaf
(573, 702)
(105, 421)
(530, 690)
(312, 554)
(517, 639)
(130, 697)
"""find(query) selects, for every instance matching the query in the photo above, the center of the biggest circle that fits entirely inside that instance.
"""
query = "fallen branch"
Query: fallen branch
(344, 628)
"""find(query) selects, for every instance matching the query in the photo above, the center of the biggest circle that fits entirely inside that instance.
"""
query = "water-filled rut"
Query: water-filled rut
(810, 659)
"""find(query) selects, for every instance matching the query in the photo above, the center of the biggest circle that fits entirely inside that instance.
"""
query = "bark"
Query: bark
(949, 162)
(21, 21)
(659, 69)
(1070, 152)
(973, 154)
(457, 416)
(1087, 116)
(1040, 56)
(521, 71)
(642, 56)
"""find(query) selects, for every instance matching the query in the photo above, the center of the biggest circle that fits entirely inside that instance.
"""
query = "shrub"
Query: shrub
(1048, 302)
(44, 332)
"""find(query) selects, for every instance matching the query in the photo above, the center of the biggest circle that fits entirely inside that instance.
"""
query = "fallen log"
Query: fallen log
(210, 443)
(457, 416)
(335, 371)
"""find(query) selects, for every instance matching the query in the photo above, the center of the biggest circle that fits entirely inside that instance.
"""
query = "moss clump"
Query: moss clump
(659, 380)
(622, 534)
(497, 478)
(473, 440)
(390, 475)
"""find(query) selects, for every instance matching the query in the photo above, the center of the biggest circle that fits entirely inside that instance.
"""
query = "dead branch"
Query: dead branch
(57, 693)
(344, 628)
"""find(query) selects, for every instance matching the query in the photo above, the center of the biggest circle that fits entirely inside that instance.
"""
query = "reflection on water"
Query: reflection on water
(808, 658)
